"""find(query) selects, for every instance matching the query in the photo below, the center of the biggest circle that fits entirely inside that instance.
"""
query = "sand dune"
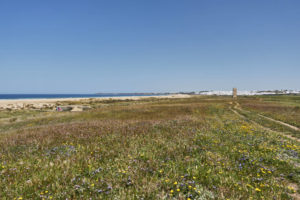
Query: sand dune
(16, 104)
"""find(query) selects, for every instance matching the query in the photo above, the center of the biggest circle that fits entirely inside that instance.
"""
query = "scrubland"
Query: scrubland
(193, 148)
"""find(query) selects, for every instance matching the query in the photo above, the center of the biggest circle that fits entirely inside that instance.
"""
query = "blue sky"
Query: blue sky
(60, 46)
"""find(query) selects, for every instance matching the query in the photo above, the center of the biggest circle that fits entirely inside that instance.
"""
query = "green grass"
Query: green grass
(152, 149)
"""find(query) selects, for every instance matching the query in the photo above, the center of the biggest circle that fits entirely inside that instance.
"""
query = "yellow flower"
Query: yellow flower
(194, 177)
(161, 171)
(178, 190)
(92, 184)
(257, 189)
(291, 189)
(46, 191)
(20, 198)
(190, 187)
(172, 191)
(50, 197)
(175, 183)
(166, 180)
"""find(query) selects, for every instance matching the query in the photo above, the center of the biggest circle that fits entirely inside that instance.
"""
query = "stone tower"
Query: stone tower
(234, 93)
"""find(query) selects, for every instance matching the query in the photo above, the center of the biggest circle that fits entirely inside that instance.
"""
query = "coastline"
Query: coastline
(40, 103)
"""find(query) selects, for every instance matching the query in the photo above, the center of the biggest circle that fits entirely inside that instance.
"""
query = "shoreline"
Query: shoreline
(40, 103)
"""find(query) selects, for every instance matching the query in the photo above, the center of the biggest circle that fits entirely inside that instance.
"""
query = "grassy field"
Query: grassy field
(284, 108)
(194, 148)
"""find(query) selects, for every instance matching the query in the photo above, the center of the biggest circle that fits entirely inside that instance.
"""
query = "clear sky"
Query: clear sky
(88, 46)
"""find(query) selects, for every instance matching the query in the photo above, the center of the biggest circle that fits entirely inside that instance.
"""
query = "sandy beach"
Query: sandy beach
(42, 103)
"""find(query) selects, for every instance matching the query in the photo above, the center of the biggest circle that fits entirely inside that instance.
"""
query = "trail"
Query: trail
(237, 108)
(280, 122)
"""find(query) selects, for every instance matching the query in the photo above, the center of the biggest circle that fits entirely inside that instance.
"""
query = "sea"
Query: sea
(58, 96)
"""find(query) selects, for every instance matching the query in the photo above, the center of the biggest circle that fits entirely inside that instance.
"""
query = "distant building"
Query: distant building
(234, 93)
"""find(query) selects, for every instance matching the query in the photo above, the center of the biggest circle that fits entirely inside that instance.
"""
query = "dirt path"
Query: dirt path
(237, 108)
(280, 122)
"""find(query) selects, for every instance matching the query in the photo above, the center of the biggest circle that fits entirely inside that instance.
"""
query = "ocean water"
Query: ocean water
(57, 96)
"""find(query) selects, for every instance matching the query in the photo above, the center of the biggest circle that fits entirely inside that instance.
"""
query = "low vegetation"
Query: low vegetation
(193, 148)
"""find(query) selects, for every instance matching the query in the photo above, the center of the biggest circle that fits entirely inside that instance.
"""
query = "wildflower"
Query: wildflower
(92, 185)
(161, 171)
(50, 197)
(175, 183)
(46, 191)
(257, 189)
(167, 180)
(109, 188)
(20, 198)
(172, 191)
(190, 187)
(194, 177)
(291, 189)
(178, 190)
